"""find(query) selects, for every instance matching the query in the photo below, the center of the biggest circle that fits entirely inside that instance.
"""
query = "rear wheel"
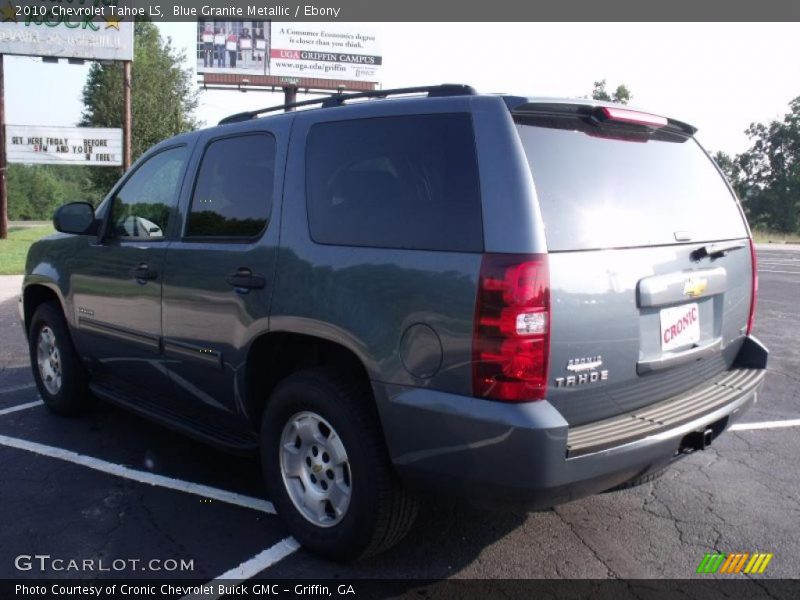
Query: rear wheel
(328, 470)
(57, 369)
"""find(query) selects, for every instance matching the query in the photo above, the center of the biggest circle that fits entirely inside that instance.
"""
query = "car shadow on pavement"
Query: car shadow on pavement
(447, 538)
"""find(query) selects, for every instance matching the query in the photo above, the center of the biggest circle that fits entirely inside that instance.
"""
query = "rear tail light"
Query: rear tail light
(753, 288)
(511, 338)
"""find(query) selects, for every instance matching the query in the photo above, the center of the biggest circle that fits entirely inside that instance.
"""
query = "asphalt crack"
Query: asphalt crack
(611, 572)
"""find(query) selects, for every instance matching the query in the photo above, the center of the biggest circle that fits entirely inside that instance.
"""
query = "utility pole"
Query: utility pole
(127, 119)
(3, 192)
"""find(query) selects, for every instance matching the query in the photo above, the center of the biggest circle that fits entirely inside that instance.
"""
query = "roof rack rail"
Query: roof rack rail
(433, 91)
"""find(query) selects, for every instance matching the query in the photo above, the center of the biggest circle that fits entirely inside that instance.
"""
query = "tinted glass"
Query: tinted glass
(143, 205)
(611, 189)
(233, 194)
(398, 182)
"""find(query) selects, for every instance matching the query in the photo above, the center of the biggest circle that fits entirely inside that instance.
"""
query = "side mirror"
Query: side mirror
(75, 217)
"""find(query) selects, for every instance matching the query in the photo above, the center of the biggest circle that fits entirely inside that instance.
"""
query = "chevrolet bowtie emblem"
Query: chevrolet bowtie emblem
(695, 287)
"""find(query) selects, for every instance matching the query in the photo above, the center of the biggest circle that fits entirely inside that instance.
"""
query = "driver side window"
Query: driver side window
(143, 204)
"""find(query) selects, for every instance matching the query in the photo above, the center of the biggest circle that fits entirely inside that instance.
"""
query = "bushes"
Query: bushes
(35, 191)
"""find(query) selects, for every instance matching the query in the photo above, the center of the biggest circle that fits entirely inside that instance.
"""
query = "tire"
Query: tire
(60, 376)
(650, 477)
(312, 409)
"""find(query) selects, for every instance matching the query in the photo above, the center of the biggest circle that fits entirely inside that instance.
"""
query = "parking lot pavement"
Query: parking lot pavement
(112, 486)
(13, 351)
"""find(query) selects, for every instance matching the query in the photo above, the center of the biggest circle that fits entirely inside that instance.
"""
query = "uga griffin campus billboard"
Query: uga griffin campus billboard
(341, 51)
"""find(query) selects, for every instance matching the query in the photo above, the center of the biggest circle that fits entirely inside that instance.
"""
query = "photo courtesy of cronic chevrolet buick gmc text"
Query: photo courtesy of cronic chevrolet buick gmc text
(512, 301)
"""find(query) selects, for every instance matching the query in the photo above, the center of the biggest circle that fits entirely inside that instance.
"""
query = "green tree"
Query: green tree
(35, 191)
(729, 166)
(163, 97)
(75, 182)
(768, 178)
(622, 95)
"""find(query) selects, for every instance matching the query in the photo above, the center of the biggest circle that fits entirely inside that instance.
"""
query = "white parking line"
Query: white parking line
(765, 425)
(18, 388)
(250, 568)
(246, 570)
(776, 271)
(103, 466)
(13, 409)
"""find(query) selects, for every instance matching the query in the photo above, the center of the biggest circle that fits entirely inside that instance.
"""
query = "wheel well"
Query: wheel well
(35, 296)
(274, 356)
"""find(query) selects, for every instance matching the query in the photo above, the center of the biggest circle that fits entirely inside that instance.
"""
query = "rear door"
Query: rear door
(649, 256)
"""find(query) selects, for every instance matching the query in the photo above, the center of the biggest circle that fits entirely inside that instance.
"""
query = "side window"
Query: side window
(143, 205)
(233, 193)
(395, 182)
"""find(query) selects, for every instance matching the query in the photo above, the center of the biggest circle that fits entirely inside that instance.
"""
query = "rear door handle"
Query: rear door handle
(245, 279)
(143, 273)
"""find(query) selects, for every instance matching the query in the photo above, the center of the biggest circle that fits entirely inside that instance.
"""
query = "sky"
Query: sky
(720, 77)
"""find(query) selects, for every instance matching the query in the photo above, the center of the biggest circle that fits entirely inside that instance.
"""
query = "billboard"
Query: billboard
(348, 51)
(93, 146)
(339, 51)
(233, 47)
(65, 36)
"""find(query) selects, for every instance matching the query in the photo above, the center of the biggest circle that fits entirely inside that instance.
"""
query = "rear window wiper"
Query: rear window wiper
(717, 249)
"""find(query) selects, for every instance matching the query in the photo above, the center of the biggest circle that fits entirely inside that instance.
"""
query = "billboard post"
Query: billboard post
(127, 120)
(3, 193)
(289, 95)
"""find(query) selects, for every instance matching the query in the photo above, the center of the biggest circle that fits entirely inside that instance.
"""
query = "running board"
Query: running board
(214, 435)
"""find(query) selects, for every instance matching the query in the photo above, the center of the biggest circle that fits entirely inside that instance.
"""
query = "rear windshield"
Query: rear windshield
(614, 187)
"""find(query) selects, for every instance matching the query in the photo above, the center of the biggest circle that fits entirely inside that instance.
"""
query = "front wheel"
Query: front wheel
(57, 369)
(328, 470)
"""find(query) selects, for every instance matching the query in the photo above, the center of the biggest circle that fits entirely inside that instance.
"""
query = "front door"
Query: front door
(219, 275)
(117, 282)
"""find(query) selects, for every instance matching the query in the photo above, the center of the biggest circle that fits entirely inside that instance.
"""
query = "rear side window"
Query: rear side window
(611, 189)
(396, 182)
(233, 194)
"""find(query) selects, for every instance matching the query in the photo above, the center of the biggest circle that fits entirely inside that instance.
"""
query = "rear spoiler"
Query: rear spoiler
(520, 107)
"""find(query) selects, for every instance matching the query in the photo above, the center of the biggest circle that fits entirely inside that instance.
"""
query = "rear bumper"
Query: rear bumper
(527, 456)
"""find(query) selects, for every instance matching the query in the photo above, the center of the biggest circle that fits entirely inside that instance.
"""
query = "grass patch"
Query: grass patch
(764, 236)
(14, 250)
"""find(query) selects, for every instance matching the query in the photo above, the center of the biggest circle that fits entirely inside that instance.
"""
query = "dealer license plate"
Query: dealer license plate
(680, 326)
